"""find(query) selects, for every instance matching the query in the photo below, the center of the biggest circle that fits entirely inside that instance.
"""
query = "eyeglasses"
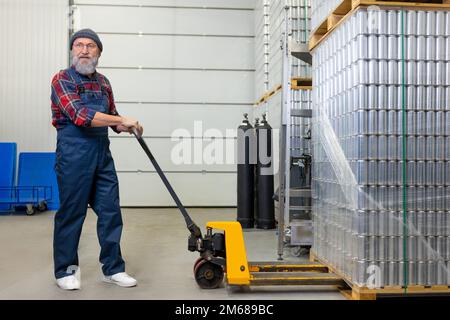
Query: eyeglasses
(89, 46)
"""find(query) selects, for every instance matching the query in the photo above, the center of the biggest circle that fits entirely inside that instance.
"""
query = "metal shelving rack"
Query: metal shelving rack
(294, 195)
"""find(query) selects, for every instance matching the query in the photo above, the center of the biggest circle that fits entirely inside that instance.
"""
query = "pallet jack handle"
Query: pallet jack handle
(192, 227)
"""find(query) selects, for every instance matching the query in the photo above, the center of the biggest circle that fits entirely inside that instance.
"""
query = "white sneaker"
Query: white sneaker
(68, 283)
(121, 279)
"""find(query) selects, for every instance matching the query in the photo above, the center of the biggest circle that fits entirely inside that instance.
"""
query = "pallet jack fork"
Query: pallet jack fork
(240, 272)
(224, 253)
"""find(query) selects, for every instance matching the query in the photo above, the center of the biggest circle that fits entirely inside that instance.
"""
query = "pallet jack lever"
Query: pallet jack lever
(192, 227)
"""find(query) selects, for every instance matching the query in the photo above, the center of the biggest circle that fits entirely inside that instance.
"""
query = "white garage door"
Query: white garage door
(176, 65)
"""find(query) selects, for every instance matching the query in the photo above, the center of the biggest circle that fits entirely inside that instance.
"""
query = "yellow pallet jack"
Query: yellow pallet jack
(229, 256)
(223, 253)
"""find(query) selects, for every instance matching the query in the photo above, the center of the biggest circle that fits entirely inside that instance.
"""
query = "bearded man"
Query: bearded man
(83, 108)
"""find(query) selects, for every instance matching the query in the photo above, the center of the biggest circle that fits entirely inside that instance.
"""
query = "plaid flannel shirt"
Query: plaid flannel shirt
(66, 103)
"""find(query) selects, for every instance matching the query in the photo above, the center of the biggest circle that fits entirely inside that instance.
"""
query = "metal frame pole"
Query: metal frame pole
(285, 138)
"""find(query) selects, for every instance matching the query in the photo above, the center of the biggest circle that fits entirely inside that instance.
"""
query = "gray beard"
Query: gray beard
(85, 68)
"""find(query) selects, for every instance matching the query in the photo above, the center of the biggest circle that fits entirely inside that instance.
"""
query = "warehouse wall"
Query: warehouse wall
(176, 65)
(172, 64)
(33, 46)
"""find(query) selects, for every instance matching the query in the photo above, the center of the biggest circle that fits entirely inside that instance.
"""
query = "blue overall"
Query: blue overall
(86, 175)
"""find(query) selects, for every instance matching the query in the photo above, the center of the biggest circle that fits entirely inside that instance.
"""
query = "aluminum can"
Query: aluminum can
(431, 23)
(422, 49)
(421, 80)
(421, 223)
(411, 47)
(432, 273)
(431, 73)
(393, 76)
(411, 22)
(421, 148)
(431, 48)
(420, 173)
(421, 23)
(421, 273)
(421, 248)
(412, 273)
(393, 273)
(420, 199)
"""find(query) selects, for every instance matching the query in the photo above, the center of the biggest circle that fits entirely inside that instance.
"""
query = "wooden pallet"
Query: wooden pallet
(301, 84)
(372, 294)
(355, 292)
(296, 84)
(347, 7)
(268, 95)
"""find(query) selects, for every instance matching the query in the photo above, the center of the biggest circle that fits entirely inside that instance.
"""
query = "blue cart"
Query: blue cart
(34, 198)
(36, 188)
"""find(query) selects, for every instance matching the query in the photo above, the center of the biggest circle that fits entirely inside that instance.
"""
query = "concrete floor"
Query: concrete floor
(154, 245)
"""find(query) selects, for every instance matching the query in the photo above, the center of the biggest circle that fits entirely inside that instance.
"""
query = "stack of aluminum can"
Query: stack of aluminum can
(381, 148)
(299, 16)
(269, 30)
(301, 127)
(261, 48)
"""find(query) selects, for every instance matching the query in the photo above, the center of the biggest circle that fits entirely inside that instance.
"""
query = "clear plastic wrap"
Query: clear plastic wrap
(381, 148)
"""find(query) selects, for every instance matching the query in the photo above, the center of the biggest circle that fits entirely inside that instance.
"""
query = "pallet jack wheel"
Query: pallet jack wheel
(208, 275)
(197, 262)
